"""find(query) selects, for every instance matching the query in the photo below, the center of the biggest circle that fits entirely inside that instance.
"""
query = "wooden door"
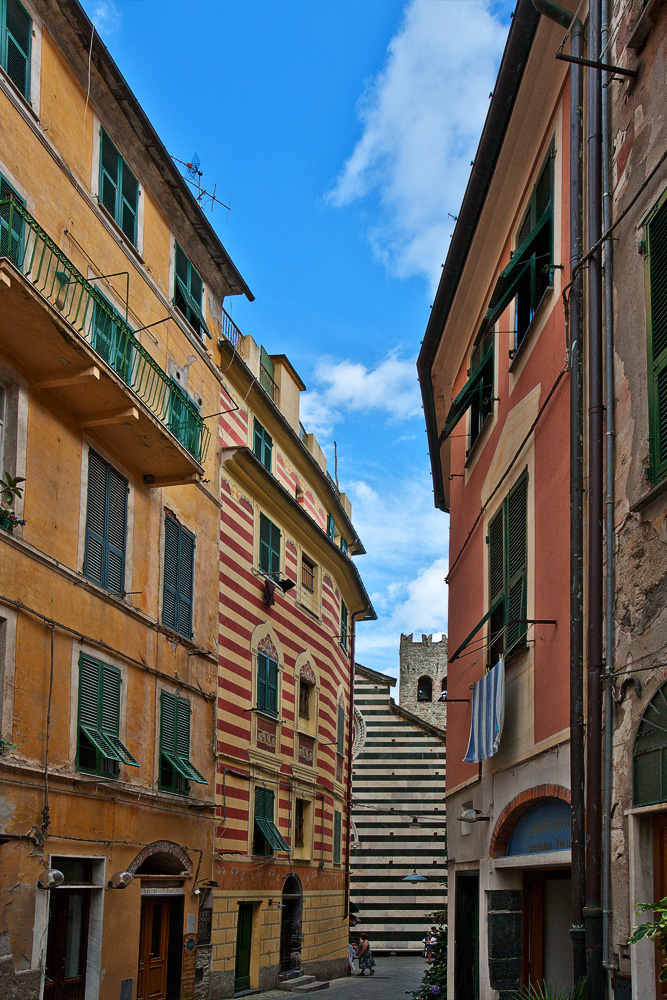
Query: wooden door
(659, 888)
(243, 945)
(67, 944)
(153, 948)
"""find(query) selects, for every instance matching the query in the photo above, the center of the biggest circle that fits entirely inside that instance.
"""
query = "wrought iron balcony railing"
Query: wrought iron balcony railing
(267, 383)
(43, 263)
(230, 330)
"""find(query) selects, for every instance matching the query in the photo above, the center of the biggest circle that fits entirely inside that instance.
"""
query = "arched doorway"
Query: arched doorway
(290, 927)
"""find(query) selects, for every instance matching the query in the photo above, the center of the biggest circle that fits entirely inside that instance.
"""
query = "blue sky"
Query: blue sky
(341, 135)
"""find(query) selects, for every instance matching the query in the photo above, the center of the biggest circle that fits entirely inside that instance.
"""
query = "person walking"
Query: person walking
(432, 941)
(365, 956)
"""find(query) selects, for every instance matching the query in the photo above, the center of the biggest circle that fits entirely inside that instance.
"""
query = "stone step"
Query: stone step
(289, 985)
(312, 987)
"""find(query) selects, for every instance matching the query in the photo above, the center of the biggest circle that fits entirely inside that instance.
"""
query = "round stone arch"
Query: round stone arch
(516, 808)
(265, 640)
(162, 857)
(306, 671)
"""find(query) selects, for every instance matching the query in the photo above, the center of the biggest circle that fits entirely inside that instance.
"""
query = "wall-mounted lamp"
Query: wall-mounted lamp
(276, 905)
(120, 880)
(414, 877)
(50, 878)
(473, 816)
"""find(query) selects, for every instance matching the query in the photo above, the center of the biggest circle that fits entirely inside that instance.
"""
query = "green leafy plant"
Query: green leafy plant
(434, 983)
(10, 489)
(655, 930)
(547, 991)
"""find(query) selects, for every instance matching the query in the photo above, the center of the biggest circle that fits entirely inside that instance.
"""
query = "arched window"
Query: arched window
(649, 764)
(424, 689)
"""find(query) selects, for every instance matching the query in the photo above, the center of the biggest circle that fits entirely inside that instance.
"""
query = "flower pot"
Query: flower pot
(6, 524)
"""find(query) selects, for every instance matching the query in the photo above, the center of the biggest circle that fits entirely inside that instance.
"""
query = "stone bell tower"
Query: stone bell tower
(423, 678)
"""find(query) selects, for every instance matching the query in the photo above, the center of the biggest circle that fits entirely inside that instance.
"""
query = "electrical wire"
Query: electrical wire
(83, 128)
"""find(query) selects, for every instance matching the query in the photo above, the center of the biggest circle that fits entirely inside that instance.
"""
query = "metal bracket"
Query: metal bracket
(632, 73)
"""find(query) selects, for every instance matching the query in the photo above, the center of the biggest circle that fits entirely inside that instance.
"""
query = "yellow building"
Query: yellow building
(111, 291)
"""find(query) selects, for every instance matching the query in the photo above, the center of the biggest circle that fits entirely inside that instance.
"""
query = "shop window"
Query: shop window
(655, 246)
(99, 747)
(106, 521)
(176, 769)
(424, 689)
(119, 188)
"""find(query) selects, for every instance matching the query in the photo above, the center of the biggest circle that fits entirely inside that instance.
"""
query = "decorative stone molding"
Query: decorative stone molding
(162, 847)
(516, 808)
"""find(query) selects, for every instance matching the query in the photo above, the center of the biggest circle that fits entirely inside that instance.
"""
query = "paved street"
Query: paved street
(393, 976)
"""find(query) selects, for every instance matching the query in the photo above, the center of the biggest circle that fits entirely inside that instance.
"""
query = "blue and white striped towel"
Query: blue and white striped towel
(488, 713)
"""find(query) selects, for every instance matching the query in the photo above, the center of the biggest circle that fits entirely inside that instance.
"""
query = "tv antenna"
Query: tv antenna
(194, 176)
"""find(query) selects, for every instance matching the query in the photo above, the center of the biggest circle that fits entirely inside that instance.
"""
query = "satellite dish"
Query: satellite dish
(120, 880)
(50, 878)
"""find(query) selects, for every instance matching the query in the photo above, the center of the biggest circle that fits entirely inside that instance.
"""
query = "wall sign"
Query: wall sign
(545, 827)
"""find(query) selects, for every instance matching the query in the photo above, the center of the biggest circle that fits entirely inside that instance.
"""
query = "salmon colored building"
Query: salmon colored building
(495, 383)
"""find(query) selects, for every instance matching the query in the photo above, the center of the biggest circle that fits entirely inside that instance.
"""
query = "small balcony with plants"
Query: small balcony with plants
(62, 334)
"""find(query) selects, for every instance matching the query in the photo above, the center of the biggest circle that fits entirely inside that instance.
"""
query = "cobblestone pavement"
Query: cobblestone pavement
(393, 977)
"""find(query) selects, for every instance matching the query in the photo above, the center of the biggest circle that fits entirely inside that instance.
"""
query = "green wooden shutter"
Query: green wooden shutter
(496, 560)
(516, 561)
(337, 836)
(340, 731)
(167, 722)
(269, 546)
(262, 671)
(94, 561)
(183, 728)
(129, 203)
(657, 302)
(110, 681)
(170, 596)
(92, 709)
(272, 686)
(11, 224)
(266, 362)
(331, 527)
(117, 517)
(109, 174)
(16, 45)
(185, 581)
(343, 625)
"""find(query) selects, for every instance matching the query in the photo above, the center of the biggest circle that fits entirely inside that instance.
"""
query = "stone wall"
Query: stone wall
(423, 659)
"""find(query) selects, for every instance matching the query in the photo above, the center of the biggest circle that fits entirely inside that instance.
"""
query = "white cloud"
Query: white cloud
(421, 118)
(346, 387)
(107, 17)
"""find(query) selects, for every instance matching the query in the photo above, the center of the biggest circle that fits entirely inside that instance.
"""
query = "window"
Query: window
(189, 292)
(262, 445)
(656, 276)
(331, 527)
(269, 546)
(649, 777)
(106, 519)
(267, 684)
(99, 748)
(299, 819)
(343, 545)
(308, 574)
(111, 337)
(15, 37)
(119, 188)
(529, 273)
(179, 553)
(267, 837)
(183, 418)
(175, 767)
(424, 689)
(337, 836)
(340, 731)
(304, 699)
(11, 222)
(507, 543)
(343, 625)
(476, 395)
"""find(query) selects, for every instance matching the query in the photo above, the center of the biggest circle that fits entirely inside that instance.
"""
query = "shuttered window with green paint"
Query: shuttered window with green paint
(477, 395)
(189, 292)
(269, 546)
(110, 338)
(331, 527)
(267, 684)
(266, 836)
(15, 39)
(99, 747)
(183, 418)
(106, 520)
(343, 625)
(176, 768)
(508, 562)
(119, 188)
(179, 554)
(340, 731)
(262, 444)
(656, 301)
(337, 829)
(11, 224)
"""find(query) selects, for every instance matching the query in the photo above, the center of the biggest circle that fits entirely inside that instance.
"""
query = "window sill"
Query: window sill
(268, 715)
(14, 92)
(654, 493)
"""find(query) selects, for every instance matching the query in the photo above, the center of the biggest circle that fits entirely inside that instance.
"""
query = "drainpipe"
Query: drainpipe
(593, 908)
(574, 319)
(609, 506)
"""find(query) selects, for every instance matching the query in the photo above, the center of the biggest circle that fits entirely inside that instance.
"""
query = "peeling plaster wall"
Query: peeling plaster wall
(639, 131)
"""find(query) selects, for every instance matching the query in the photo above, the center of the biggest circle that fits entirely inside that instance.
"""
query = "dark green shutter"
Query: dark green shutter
(106, 521)
(657, 397)
(99, 711)
(117, 515)
(516, 562)
(269, 546)
(119, 188)
(267, 684)
(110, 681)
(340, 731)
(109, 174)
(496, 559)
(262, 445)
(185, 582)
(167, 722)
(337, 837)
(175, 738)
(11, 224)
(15, 44)
(261, 681)
(189, 291)
(264, 803)
(129, 204)
(331, 527)
(343, 625)
(93, 562)
(179, 549)
(170, 599)
(183, 728)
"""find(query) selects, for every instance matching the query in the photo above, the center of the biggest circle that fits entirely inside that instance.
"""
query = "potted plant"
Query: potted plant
(655, 930)
(10, 490)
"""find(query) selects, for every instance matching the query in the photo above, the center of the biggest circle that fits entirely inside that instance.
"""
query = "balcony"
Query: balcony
(60, 332)
(267, 383)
